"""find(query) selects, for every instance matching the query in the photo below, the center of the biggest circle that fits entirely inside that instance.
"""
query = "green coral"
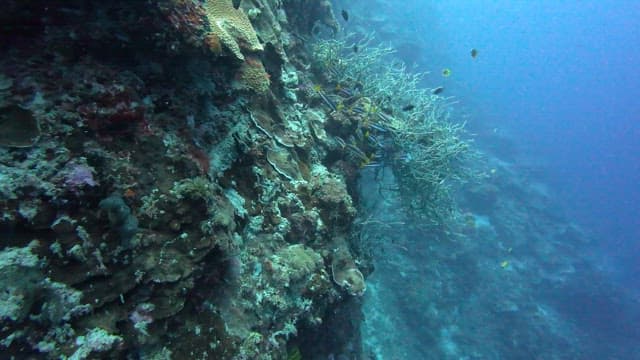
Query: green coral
(193, 188)
(296, 262)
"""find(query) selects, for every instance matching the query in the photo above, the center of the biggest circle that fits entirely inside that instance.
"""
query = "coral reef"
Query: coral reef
(161, 199)
(179, 178)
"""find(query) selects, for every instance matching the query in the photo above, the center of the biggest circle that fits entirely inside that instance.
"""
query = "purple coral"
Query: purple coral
(78, 175)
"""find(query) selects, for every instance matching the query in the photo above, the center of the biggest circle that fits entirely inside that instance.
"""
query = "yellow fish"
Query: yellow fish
(504, 264)
(446, 72)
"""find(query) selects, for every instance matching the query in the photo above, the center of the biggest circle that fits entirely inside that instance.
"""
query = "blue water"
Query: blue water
(563, 78)
(553, 97)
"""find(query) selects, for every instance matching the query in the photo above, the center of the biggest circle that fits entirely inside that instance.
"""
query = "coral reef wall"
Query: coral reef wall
(167, 186)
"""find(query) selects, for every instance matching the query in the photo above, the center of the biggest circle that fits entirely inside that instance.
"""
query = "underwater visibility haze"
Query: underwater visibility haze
(322, 180)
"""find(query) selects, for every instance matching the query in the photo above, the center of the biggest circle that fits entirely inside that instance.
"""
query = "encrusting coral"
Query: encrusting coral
(252, 76)
(231, 27)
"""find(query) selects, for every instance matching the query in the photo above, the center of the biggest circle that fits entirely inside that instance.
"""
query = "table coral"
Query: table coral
(232, 27)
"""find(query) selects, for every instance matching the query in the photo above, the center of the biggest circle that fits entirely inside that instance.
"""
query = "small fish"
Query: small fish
(324, 97)
(349, 101)
(504, 264)
(374, 141)
(437, 90)
(354, 150)
(446, 72)
(378, 128)
(408, 107)
(328, 101)
(384, 117)
(355, 48)
(372, 164)
(405, 158)
(236, 4)
(344, 92)
(345, 15)
(474, 53)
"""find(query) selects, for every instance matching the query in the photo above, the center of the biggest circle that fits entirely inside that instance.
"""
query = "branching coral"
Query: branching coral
(425, 150)
(232, 27)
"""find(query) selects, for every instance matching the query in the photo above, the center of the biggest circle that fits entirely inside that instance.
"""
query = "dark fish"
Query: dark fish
(352, 100)
(408, 107)
(437, 90)
(358, 110)
(474, 53)
(345, 15)
(236, 4)
(355, 48)
(344, 92)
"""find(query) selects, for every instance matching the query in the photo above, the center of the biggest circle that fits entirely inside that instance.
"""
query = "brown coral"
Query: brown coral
(253, 76)
(232, 27)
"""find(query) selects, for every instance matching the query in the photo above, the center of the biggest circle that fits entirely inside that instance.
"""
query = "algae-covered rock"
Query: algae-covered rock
(19, 277)
(284, 163)
(344, 270)
(24, 284)
(297, 261)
